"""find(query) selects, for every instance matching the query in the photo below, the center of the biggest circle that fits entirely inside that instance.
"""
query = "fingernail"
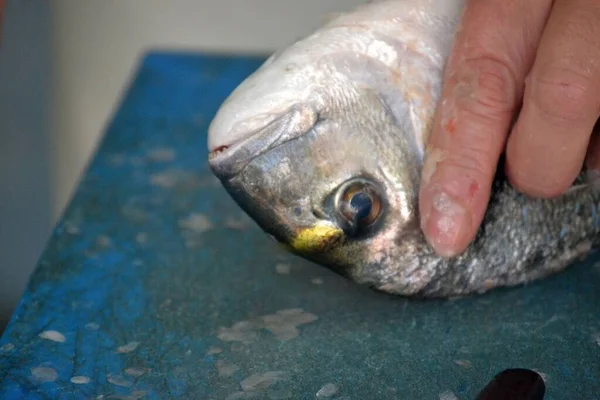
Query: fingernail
(446, 224)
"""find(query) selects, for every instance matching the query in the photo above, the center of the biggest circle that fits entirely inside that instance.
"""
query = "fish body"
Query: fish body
(323, 146)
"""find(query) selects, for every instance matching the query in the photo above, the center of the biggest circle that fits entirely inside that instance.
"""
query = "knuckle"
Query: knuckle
(488, 86)
(496, 83)
(473, 162)
(565, 95)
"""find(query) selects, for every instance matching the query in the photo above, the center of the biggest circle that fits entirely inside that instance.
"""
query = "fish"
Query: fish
(323, 146)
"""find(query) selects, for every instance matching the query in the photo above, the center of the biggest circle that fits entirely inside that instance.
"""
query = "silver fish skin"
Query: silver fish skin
(323, 147)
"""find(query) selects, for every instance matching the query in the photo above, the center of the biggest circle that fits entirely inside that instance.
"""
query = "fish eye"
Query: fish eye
(359, 205)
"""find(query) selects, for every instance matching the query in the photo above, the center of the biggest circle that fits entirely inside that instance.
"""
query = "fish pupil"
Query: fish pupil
(362, 204)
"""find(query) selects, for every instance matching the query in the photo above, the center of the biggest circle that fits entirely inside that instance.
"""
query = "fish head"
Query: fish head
(333, 177)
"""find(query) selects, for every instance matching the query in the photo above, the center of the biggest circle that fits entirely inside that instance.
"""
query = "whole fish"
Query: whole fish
(323, 147)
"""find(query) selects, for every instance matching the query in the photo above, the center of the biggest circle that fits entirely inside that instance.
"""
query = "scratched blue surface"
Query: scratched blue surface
(152, 259)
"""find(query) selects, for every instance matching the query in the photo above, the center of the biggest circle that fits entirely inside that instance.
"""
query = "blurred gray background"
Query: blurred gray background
(63, 66)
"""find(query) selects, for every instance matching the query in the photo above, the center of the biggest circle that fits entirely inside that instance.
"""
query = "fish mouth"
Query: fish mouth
(228, 160)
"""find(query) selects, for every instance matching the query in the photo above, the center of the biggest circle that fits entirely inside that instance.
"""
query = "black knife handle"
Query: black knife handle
(514, 384)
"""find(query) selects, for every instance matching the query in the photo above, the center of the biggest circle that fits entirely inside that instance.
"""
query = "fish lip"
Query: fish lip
(227, 161)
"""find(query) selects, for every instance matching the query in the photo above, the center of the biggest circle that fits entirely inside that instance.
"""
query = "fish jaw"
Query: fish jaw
(228, 161)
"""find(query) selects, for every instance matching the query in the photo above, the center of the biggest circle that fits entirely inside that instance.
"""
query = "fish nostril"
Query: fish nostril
(297, 211)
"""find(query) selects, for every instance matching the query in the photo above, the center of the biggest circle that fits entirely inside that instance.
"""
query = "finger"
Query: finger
(482, 86)
(561, 102)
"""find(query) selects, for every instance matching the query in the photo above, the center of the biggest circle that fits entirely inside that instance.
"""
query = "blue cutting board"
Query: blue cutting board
(154, 285)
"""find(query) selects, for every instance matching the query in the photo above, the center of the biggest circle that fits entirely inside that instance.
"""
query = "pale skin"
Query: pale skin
(536, 64)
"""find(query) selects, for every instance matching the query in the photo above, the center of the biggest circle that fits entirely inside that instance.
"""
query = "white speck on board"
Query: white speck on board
(162, 154)
(141, 238)
(72, 229)
(448, 395)
(54, 336)
(92, 326)
(243, 331)
(283, 324)
(119, 380)
(128, 348)
(163, 179)
(136, 372)
(214, 350)
(261, 381)
(237, 224)
(165, 304)
(80, 380)
(103, 241)
(463, 363)
(137, 394)
(328, 390)
(170, 178)
(196, 222)
(317, 281)
(44, 374)
(7, 347)
(283, 269)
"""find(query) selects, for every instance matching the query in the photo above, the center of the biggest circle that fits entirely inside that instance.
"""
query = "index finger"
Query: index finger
(483, 84)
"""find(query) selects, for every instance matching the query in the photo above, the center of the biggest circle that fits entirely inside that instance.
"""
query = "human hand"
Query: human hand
(540, 56)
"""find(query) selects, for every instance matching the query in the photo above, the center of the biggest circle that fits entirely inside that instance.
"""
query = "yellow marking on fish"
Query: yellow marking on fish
(317, 238)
